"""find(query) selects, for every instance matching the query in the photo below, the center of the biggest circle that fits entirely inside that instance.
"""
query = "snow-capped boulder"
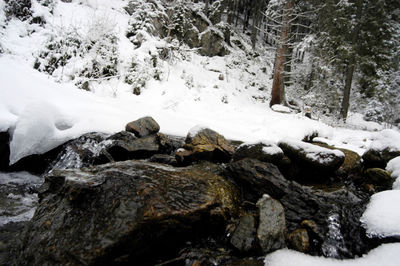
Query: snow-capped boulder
(384, 147)
(124, 213)
(271, 232)
(281, 109)
(143, 126)
(262, 151)
(313, 162)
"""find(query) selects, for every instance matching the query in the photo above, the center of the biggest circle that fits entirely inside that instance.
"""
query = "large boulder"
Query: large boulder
(212, 43)
(143, 127)
(204, 144)
(381, 179)
(123, 213)
(271, 232)
(314, 162)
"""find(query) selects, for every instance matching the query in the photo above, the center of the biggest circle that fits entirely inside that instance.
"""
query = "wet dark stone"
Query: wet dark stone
(315, 203)
(244, 236)
(164, 159)
(123, 213)
(258, 151)
(378, 158)
(4, 150)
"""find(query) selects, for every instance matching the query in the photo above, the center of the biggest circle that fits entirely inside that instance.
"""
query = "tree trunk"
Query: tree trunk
(277, 92)
(347, 87)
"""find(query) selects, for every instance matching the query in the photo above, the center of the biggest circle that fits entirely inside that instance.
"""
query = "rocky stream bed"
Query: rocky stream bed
(144, 198)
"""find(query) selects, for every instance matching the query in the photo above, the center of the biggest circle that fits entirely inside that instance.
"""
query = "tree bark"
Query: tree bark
(277, 92)
(347, 87)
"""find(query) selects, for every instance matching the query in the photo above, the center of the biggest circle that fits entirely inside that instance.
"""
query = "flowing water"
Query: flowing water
(334, 244)
(18, 196)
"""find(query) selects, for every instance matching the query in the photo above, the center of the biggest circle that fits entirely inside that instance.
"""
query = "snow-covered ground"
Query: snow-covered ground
(43, 111)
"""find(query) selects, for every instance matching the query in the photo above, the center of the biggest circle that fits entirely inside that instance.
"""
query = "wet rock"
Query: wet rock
(125, 146)
(143, 127)
(256, 178)
(4, 150)
(164, 159)
(87, 150)
(352, 161)
(264, 152)
(271, 232)
(244, 236)
(382, 179)
(122, 213)
(299, 240)
(378, 158)
(314, 163)
(205, 144)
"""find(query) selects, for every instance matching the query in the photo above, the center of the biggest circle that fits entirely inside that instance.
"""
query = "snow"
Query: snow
(387, 138)
(394, 167)
(314, 152)
(382, 216)
(281, 108)
(384, 255)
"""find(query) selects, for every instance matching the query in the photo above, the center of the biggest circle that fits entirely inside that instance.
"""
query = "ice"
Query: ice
(384, 255)
(382, 216)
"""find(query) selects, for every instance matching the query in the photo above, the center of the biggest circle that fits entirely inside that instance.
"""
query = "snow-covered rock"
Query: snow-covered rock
(382, 216)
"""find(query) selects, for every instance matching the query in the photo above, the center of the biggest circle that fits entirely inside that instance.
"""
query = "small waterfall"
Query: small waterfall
(334, 244)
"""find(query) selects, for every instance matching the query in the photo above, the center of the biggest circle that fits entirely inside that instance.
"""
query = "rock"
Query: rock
(143, 127)
(212, 43)
(264, 152)
(301, 203)
(271, 232)
(244, 236)
(380, 178)
(352, 161)
(4, 150)
(378, 158)
(125, 146)
(204, 144)
(281, 109)
(315, 163)
(123, 213)
(164, 159)
(87, 150)
(298, 240)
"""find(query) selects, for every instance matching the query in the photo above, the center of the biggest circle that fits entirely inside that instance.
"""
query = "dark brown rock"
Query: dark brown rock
(299, 240)
(122, 213)
(378, 158)
(143, 127)
(205, 144)
(379, 177)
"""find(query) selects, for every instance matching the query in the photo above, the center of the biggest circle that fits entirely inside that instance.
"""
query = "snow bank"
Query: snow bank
(384, 255)
(382, 216)
(394, 167)
(387, 138)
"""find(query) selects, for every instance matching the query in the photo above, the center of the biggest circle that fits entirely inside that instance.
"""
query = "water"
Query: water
(334, 244)
(18, 196)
